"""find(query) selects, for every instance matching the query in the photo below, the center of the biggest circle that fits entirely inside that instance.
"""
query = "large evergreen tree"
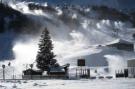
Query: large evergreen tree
(45, 56)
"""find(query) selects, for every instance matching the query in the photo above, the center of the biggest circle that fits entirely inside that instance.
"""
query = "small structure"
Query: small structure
(81, 70)
(123, 45)
(59, 71)
(30, 74)
(129, 71)
(131, 68)
(122, 73)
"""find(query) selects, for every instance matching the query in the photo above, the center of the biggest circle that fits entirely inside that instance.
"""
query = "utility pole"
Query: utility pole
(31, 66)
(3, 66)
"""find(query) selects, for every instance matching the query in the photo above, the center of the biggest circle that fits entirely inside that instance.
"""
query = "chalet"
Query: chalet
(32, 72)
(123, 45)
(131, 68)
(53, 72)
(59, 71)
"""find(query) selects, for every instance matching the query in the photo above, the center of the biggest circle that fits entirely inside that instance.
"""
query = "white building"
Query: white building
(131, 68)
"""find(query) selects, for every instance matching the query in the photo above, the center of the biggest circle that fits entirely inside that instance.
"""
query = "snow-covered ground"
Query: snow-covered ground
(69, 84)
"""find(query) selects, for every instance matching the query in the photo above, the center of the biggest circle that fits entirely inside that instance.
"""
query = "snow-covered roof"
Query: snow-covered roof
(33, 70)
(57, 69)
(124, 41)
(120, 41)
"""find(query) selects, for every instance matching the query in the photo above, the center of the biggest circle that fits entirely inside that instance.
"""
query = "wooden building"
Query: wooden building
(59, 71)
(31, 74)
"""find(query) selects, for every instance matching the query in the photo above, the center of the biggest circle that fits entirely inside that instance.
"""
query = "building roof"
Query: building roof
(120, 41)
(57, 69)
(124, 41)
(33, 70)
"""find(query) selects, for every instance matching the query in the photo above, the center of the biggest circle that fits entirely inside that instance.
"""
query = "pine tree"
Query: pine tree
(45, 56)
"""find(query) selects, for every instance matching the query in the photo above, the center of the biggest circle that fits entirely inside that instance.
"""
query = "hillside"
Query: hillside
(77, 32)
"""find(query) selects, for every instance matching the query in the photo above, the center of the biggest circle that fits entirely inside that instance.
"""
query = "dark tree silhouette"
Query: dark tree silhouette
(45, 56)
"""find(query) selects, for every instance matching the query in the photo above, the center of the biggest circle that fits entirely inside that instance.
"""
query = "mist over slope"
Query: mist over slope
(76, 32)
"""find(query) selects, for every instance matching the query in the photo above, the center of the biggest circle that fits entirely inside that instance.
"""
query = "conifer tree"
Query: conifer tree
(45, 56)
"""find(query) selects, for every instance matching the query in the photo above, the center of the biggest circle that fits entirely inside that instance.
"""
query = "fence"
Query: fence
(74, 72)
(127, 72)
(82, 72)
